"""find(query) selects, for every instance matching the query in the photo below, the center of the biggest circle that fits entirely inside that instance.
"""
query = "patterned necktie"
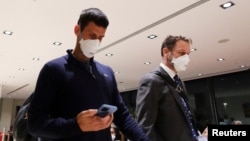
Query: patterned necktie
(179, 86)
(180, 89)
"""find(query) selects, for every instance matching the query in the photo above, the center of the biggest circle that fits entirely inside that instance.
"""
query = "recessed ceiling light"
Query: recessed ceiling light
(220, 59)
(36, 59)
(193, 49)
(147, 63)
(227, 5)
(223, 41)
(11, 76)
(57, 43)
(7, 32)
(116, 72)
(109, 54)
(21, 69)
(200, 74)
(152, 36)
(242, 66)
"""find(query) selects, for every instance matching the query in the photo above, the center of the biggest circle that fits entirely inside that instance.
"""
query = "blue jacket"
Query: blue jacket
(65, 88)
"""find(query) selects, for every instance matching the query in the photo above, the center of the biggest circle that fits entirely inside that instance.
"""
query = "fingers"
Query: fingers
(87, 113)
(88, 121)
(110, 119)
(104, 121)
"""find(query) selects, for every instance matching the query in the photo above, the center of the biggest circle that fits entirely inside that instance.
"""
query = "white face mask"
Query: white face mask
(89, 47)
(180, 63)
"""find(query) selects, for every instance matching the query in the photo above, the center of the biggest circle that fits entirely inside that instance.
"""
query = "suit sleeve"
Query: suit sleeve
(147, 101)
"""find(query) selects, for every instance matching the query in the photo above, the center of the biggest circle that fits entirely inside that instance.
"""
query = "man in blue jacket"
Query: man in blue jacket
(70, 88)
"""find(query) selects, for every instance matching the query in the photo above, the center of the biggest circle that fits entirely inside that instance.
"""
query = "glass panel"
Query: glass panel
(200, 100)
(232, 92)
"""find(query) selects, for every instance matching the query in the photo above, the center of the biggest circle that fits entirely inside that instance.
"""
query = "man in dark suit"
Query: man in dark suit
(162, 108)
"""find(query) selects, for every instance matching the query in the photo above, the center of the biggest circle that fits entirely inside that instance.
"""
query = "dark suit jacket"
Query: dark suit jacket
(159, 110)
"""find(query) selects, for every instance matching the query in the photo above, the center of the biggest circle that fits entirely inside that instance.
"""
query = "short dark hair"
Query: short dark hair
(92, 14)
(171, 40)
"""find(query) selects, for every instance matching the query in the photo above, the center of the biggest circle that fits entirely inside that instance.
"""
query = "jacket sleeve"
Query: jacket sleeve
(147, 101)
(124, 120)
(40, 123)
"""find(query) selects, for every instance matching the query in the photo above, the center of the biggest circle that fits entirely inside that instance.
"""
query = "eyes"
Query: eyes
(182, 52)
(95, 36)
(92, 36)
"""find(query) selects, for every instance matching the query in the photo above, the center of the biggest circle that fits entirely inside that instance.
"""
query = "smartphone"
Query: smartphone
(106, 109)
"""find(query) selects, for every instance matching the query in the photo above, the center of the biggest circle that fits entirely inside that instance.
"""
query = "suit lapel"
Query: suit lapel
(171, 84)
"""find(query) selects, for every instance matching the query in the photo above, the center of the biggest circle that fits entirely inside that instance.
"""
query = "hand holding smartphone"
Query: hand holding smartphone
(106, 109)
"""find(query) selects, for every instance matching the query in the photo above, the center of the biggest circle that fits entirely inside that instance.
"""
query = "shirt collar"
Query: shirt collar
(170, 72)
(69, 52)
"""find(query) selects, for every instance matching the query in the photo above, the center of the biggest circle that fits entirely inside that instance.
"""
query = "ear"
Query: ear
(165, 51)
(77, 30)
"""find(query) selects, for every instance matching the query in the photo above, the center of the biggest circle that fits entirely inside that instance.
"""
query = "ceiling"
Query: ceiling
(36, 24)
